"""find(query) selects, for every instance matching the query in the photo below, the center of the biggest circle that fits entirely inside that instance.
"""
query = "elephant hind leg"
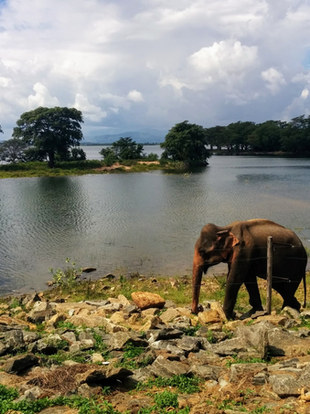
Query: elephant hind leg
(287, 291)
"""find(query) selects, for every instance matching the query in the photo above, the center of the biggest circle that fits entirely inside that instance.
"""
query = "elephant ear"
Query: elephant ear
(227, 240)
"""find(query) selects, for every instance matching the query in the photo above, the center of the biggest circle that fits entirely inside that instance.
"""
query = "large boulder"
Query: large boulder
(145, 300)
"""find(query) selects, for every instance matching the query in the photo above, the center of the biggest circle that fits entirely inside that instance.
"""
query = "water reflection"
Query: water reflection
(144, 222)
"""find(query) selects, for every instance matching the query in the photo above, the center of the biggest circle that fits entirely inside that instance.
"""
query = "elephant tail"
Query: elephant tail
(305, 291)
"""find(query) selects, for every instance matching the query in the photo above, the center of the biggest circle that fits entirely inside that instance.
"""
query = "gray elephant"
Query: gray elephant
(243, 246)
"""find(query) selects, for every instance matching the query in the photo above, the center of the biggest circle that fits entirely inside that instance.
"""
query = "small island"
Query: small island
(46, 142)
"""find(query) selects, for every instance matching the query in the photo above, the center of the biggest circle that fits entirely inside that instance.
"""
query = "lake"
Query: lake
(140, 222)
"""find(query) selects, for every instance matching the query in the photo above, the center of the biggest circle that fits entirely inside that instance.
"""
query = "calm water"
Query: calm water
(145, 222)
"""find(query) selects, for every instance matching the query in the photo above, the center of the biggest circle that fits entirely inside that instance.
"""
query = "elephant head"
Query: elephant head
(214, 246)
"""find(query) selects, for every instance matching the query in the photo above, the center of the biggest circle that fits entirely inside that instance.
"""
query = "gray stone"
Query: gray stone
(229, 347)
(163, 334)
(162, 367)
(207, 372)
(48, 345)
(189, 344)
(21, 363)
(120, 339)
(285, 385)
(239, 371)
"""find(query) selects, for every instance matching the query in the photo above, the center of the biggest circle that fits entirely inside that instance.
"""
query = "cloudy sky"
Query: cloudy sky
(133, 65)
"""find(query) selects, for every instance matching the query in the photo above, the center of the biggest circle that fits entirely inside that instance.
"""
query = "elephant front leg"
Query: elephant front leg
(196, 280)
(255, 299)
(232, 289)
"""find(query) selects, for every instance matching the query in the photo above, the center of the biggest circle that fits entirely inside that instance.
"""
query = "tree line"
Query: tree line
(54, 134)
(271, 136)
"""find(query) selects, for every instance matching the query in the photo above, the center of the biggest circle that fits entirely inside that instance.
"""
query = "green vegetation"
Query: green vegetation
(84, 405)
(123, 149)
(183, 383)
(271, 136)
(66, 278)
(130, 353)
(50, 132)
(186, 143)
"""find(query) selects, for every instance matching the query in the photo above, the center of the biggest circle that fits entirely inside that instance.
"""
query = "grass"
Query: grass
(180, 293)
(83, 405)
(64, 168)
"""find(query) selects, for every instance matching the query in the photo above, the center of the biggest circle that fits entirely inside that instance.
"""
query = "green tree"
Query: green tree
(216, 136)
(13, 150)
(266, 137)
(127, 149)
(109, 156)
(51, 131)
(123, 149)
(187, 143)
(296, 135)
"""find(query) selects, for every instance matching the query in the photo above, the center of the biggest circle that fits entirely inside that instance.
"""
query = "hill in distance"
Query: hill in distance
(151, 136)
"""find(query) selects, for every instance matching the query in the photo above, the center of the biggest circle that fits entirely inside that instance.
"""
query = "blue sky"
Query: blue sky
(148, 64)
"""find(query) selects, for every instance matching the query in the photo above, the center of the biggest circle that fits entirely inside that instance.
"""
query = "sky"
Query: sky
(145, 65)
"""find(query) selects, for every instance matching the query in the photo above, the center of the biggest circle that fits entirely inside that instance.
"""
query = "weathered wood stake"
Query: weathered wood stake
(269, 274)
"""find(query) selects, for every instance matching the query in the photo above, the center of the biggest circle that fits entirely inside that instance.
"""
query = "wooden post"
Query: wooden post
(269, 274)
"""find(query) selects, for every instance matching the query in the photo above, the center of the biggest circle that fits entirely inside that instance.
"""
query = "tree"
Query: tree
(123, 149)
(266, 137)
(13, 150)
(51, 131)
(127, 149)
(187, 143)
(1, 129)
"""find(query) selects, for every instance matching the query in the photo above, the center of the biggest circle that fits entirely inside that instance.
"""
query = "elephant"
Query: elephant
(243, 246)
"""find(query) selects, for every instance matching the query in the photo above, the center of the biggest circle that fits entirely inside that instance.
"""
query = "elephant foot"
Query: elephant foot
(252, 313)
(199, 308)
(230, 316)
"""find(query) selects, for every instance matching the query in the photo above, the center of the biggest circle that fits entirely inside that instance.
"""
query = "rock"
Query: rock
(281, 342)
(103, 376)
(21, 363)
(88, 269)
(48, 345)
(240, 371)
(162, 367)
(117, 317)
(189, 344)
(41, 312)
(14, 323)
(144, 300)
(163, 334)
(120, 339)
(207, 372)
(169, 315)
(209, 316)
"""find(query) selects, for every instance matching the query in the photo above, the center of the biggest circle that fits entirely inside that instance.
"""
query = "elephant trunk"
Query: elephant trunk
(196, 280)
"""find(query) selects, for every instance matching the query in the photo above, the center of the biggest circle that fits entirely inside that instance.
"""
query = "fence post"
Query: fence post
(269, 274)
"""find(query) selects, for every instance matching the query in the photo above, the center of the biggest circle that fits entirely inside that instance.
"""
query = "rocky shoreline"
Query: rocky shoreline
(149, 355)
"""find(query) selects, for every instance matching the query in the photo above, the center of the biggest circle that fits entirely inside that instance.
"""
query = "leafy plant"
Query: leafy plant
(130, 352)
(166, 399)
(84, 405)
(66, 278)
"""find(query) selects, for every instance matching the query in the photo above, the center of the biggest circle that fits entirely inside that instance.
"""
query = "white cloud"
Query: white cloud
(91, 112)
(135, 96)
(131, 65)
(304, 93)
(224, 60)
(274, 79)
(41, 97)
